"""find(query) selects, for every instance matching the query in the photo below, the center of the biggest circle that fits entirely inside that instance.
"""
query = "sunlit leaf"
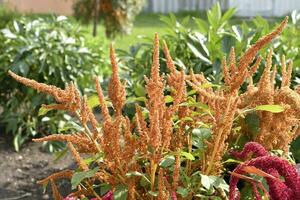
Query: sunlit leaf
(80, 176)
(270, 108)
(187, 155)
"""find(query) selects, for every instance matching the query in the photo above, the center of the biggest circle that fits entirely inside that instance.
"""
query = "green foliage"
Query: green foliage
(7, 16)
(48, 50)
(80, 176)
(200, 44)
(117, 15)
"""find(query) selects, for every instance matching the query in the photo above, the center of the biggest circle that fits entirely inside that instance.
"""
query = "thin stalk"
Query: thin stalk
(89, 134)
(153, 167)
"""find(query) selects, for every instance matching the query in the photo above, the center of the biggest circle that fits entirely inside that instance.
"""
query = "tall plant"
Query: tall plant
(175, 144)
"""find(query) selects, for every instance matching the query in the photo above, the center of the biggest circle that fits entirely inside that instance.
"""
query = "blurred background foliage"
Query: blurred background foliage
(56, 50)
(117, 15)
(49, 50)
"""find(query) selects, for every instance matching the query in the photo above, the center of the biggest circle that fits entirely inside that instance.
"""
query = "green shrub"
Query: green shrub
(200, 44)
(50, 50)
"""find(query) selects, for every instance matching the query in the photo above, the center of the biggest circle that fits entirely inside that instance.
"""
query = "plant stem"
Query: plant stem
(153, 167)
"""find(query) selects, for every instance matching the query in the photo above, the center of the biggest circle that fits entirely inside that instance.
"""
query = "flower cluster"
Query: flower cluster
(132, 150)
(278, 168)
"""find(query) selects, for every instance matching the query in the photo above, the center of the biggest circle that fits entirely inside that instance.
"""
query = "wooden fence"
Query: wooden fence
(247, 8)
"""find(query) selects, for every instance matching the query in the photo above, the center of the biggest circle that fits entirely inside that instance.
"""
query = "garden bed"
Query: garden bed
(21, 170)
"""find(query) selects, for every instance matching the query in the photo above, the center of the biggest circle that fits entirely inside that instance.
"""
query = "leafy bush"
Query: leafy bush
(50, 50)
(179, 142)
(200, 44)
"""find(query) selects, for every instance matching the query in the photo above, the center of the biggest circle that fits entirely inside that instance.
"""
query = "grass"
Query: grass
(145, 25)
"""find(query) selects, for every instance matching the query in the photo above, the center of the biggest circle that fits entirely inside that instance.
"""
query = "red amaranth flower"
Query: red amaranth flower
(108, 196)
(173, 196)
(289, 189)
(251, 147)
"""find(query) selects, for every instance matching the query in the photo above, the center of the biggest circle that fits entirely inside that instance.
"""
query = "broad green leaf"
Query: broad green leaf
(139, 90)
(121, 192)
(270, 108)
(80, 176)
(202, 25)
(8, 34)
(167, 161)
(228, 14)
(198, 54)
(253, 123)
(213, 181)
(187, 155)
(136, 99)
(104, 188)
(182, 191)
(93, 101)
(205, 181)
(168, 99)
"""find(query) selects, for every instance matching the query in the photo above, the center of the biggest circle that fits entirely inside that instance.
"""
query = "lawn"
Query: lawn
(145, 25)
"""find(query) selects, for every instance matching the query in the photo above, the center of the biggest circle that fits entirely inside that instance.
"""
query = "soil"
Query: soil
(19, 172)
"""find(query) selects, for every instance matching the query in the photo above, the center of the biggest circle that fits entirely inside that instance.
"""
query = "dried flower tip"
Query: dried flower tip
(58, 175)
(169, 60)
(116, 91)
(101, 99)
(77, 157)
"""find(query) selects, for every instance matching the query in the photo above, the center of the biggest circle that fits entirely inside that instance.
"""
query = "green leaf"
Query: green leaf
(202, 25)
(104, 188)
(8, 34)
(139, 90)
(182, 191)
(167, 161)
(205, 181)
(228, 14)
(214, 15)
(270, 108)
(80, 176)
(199, 136)
(121, 192)
(16, 142)
(136, 99)
(213, 181)
(43, 110)
(209, 85)
(253, 123)
(155, 194)
(187, 155)
(168, 99)
(198, 54)
(60, 154)
(135, 173)
(230, 160)
(93, 101)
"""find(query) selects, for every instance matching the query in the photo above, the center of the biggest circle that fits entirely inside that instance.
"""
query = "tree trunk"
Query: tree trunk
(96, 10)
